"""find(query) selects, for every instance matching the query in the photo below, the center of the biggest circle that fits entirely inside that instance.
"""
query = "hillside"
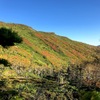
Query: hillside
(46, 49)
(43, 54)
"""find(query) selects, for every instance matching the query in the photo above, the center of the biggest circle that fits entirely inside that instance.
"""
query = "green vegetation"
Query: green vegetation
(44, 66)
(8, 37)
(91, 95)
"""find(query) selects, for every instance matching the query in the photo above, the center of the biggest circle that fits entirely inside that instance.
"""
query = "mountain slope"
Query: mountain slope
(45, 49)
(46, 66)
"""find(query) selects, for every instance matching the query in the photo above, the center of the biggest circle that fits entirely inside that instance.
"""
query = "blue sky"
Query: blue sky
(76, 19)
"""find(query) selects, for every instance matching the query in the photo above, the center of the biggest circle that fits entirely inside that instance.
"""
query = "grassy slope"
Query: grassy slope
(45, 50)
(41, 51)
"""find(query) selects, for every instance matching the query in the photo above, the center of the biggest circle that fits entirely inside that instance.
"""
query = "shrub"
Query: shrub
(8, 37)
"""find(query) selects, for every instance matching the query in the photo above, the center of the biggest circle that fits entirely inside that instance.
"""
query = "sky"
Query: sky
(78, 20)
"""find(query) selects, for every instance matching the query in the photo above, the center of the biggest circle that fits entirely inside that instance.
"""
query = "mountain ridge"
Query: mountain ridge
(45, 66)
(56, 50)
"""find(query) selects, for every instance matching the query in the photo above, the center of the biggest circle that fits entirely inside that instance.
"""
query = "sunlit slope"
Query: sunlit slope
(45, 50)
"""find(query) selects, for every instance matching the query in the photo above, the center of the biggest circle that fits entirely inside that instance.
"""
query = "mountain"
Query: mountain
(46, 49)
(98, 45)
(44, 56)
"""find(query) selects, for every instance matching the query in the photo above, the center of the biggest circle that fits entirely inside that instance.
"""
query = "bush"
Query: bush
(8, 37)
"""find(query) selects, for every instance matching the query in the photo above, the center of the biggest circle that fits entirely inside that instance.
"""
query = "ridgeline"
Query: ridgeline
(45, 66)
